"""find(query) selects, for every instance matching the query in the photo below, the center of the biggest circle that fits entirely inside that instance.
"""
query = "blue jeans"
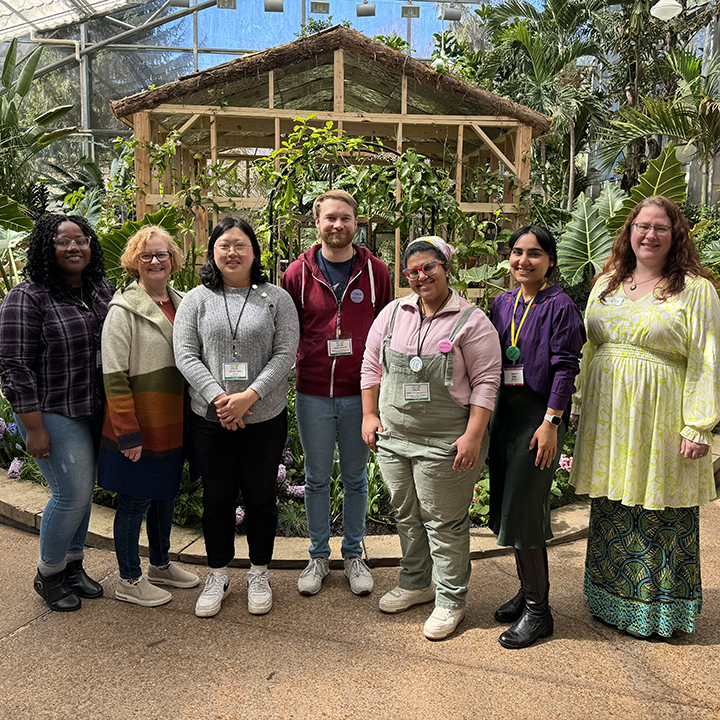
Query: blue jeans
(70, 473)
(126, 531)
(320, 421)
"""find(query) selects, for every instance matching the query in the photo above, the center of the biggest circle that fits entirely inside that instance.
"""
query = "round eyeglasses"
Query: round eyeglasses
(428, 268)
(148, 257)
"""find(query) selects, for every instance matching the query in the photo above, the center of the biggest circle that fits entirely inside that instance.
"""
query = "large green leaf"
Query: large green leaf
(585, 245)
(610, 201)
(52, 115)
(113, 243)
(12, 216)
(8, 70)
(23, 84)
(665, 176)
(711, 257)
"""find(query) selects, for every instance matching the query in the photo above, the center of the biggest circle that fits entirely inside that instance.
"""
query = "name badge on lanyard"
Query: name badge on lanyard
(416, 392)
(235, 371)
(514, 375)
(339, 346)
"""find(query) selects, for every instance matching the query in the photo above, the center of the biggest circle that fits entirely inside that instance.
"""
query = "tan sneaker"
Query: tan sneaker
(399, 600)
(172, 575)
(442, 623)
(142, 593)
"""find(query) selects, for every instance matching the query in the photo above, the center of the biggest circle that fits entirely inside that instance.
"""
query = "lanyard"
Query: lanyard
(242, 310)
(353, 261)
(421, 341)
(514, 355)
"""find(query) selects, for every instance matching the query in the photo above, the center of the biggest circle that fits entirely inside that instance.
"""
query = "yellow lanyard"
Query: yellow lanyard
(514, 335)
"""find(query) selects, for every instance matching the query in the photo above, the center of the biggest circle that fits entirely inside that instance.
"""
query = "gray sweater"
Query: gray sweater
(266, 339)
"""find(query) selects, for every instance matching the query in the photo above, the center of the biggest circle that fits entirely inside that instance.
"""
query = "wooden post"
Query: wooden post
(459, 166)
(213, 159)
(141, 130)
(339, 81)
(398, 193)
(271, 89)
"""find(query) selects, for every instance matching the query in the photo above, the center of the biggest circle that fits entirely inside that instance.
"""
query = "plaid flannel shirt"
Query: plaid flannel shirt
(49, 350)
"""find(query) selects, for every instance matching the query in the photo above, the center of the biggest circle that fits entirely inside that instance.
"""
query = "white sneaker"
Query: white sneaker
(259, 593)
(141, 593)
(311, 577)
(358, 573)
(399, 600)
(172, 575)
(442, 623)
(214, 592)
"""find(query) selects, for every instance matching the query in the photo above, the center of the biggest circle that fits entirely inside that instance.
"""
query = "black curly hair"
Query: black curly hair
(210, 274)
(41, 266)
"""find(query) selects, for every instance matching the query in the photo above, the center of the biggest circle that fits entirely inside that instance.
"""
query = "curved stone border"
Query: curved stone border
(22, 504)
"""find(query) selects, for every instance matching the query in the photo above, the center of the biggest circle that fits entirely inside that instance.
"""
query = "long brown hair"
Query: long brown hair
(682, 260)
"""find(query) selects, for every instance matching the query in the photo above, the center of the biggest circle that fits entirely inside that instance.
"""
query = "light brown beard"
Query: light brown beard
(336, 242)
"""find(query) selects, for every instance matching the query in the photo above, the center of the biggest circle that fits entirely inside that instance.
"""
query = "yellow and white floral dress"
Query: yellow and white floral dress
(649, 377)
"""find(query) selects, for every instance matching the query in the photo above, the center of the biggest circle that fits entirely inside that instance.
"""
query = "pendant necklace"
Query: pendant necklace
(513, 352)
(416, 362)
(242, 310)
(635, 284)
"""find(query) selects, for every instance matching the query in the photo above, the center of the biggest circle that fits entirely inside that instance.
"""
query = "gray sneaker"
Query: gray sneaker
(141, 593)
(172, 575)
(311, 577)
(358, 574)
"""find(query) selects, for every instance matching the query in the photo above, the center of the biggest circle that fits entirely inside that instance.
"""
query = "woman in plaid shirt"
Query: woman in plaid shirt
(50, 370)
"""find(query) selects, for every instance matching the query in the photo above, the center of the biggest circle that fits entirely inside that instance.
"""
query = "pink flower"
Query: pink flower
(281, 474)
(239, 515)
(15, 468)
(296, 491)
(566, 462)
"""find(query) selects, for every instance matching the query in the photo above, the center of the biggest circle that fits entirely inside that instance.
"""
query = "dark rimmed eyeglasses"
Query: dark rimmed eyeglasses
(148, 257)
(644, 229)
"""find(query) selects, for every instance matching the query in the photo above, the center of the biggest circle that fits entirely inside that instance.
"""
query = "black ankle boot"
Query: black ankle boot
(512, 609)
(80, 582)
(56, 593)
(536, 620)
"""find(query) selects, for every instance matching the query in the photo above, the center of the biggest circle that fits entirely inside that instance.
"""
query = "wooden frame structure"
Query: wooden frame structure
(244, 109)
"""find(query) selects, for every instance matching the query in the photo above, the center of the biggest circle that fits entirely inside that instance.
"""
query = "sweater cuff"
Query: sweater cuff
(697, 436)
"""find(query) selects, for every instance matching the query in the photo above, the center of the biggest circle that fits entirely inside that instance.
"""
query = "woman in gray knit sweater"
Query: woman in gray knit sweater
(235, 339)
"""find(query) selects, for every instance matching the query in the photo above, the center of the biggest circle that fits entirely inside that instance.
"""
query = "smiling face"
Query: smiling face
(651, 249)
(156, 272)
(433, 289)
(233, 253)
(529, 263)
(71, 260)
(336, 222)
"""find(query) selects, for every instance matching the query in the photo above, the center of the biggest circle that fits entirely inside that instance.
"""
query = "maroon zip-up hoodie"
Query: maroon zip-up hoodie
(323, 317)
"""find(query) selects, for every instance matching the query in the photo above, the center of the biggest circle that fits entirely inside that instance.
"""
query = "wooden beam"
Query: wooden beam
(459, 166)
(494, 148)
(489, 207)
(403, 94)
(186, 126)
(271, 89)
(141, 131)
(213, 155)
(323, 116)
(523, 144)
(339, 81)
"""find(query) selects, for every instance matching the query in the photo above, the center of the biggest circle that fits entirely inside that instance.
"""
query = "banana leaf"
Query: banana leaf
(12, 216)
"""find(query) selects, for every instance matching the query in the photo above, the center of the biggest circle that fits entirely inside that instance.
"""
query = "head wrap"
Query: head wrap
(445, 248)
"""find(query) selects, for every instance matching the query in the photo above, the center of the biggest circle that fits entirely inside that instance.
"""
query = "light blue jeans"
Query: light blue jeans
(322, 420)
(70, 473)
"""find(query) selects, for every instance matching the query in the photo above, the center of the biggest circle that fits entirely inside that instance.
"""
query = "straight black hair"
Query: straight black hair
(545, 239)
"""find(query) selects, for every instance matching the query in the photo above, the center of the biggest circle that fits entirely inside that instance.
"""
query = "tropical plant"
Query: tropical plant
(19, 144)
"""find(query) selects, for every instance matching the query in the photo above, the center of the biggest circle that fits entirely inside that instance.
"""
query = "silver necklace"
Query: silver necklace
(635, 284)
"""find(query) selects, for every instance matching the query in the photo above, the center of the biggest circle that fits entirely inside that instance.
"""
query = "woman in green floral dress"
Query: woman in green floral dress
(647, 399)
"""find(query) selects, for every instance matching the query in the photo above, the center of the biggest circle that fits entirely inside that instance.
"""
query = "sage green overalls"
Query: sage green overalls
(416, 458)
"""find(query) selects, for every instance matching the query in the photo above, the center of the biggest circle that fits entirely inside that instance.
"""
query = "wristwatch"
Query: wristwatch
(554, 419)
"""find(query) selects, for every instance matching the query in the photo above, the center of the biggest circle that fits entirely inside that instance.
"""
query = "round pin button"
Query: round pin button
(513, 353)
(445, 346)
(357, 296)
(416, 364)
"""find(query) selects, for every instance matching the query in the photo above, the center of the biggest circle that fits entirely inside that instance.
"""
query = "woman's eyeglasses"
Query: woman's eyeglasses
(644, 229)
(428, 268)
(225, 248)
(63, 242)
(148, 257)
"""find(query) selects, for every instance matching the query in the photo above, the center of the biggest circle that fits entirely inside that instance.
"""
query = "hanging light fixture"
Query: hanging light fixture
(320, 7)
(410, 10)
(666, 9)
(453, 14)
(366, 9)
(273, 5)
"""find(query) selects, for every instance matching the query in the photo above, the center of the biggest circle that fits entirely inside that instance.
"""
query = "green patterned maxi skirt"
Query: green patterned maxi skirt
(642, 571)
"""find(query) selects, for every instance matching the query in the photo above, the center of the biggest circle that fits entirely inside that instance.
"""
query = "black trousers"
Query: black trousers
(236, 463)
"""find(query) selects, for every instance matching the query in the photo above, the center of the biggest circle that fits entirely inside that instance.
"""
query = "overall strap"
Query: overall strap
(459, 325)
(388, 335)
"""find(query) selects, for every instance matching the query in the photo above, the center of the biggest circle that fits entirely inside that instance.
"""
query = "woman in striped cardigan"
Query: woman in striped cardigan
(141, 451)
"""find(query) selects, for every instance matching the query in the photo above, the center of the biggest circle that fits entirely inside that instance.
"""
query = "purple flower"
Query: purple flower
(287, 457)
(296, 491)
(239, 516)
(12, 428)
(281, 474)
(15, 468)
(3, 427)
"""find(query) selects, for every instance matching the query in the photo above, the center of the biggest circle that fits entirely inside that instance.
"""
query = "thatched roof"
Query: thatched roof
(304, 81)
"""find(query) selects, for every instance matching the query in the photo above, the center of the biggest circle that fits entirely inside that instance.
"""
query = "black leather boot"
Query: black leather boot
(536, 620)
(80, 582)
(56, 593)
(512, 609)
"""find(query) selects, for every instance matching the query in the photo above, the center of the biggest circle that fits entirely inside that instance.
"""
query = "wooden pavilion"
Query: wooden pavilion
(244, 109)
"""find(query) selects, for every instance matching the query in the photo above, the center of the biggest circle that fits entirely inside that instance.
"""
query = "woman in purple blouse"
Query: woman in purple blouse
(541, 335)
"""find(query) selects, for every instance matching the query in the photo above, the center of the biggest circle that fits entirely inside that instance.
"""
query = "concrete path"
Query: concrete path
(336, 656)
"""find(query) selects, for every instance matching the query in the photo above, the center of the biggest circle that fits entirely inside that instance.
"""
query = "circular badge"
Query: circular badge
(513, 353)
(357, 296)
(445, 346)
(416, 364)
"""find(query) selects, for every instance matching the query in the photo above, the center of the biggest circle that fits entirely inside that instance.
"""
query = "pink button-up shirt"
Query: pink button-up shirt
(476, 348)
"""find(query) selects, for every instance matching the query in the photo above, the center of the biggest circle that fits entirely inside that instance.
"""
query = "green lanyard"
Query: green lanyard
(513, 352)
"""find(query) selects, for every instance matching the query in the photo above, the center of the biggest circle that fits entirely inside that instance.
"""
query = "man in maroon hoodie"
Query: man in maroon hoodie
(338, 288)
